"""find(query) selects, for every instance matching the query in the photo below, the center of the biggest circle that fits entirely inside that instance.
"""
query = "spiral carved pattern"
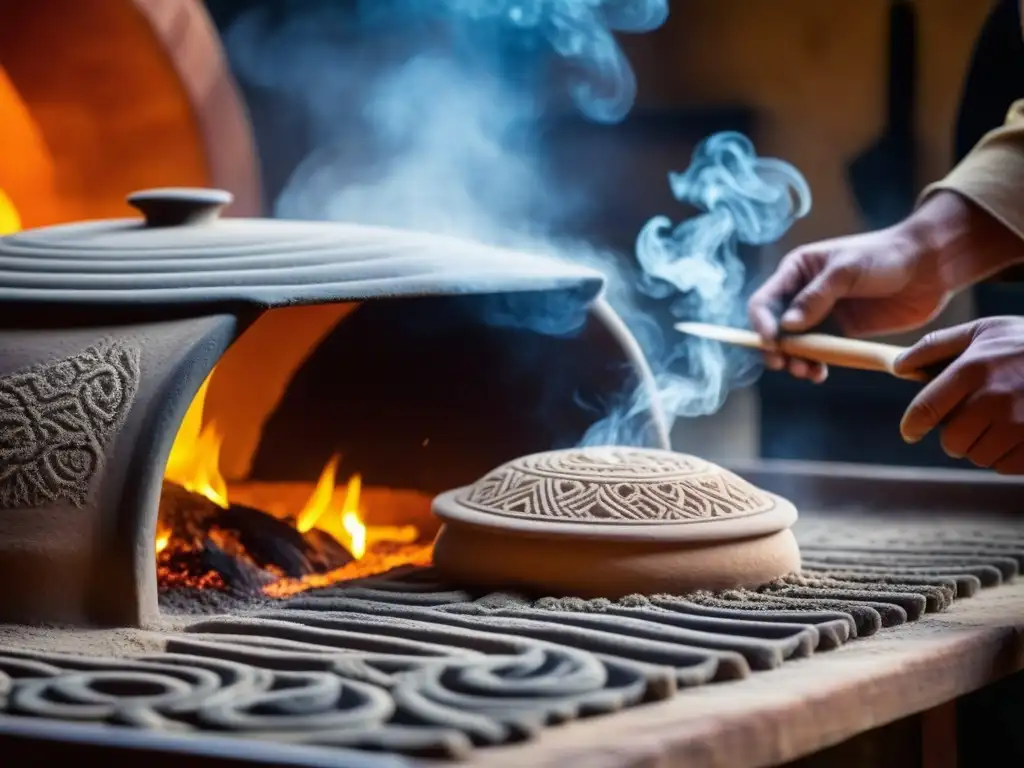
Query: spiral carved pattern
(56, 423)
(406, 664)
(614, 485)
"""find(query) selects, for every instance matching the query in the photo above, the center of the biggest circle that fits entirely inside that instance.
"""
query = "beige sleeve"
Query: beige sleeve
(992, 175)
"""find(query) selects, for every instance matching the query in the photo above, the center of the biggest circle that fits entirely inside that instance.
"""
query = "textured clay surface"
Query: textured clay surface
(619, 486)
(408, 664)
(56, 422)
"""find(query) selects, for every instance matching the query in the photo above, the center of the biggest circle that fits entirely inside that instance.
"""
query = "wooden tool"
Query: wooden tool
(817, 347)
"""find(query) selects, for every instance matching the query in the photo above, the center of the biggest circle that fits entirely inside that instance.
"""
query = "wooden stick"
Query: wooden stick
(816, 347)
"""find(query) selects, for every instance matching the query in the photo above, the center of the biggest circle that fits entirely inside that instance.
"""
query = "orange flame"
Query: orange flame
(350, 521)
(10, 222)
(320, 500)
(346, 525)
(194, 463)
(163, 538)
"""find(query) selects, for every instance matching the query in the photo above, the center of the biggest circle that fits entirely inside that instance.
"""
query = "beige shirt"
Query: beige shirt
(992, 175)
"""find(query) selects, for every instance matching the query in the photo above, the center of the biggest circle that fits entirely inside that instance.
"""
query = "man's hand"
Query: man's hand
(978, 400)
(881, 282)
(869, 284)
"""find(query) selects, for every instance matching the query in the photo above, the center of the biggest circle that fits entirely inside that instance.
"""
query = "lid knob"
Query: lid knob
(179, 206)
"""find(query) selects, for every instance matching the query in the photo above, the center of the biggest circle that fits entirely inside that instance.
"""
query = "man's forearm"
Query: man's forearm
(974, 218)
(964, 242)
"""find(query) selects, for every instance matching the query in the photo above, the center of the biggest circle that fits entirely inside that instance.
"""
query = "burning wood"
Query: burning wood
(276, 538)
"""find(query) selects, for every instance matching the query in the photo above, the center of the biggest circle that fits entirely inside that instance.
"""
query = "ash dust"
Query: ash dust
(108, 643)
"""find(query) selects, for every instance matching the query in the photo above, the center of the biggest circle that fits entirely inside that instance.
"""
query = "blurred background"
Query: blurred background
(288, 106)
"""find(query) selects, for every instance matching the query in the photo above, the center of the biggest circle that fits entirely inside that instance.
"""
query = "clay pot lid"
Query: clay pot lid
(182, 252)
(617, 493)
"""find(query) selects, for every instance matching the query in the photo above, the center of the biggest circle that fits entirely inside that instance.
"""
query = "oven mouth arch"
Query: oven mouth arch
(233, 367)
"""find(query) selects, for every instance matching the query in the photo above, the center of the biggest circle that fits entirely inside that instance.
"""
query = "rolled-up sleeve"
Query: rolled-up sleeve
(992, 174)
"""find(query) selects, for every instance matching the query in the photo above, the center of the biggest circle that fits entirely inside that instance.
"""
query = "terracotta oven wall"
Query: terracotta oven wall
(101, 98)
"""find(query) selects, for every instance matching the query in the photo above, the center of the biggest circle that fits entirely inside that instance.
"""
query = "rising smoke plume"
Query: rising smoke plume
(449, 95)
(580, 32)
(696, 265)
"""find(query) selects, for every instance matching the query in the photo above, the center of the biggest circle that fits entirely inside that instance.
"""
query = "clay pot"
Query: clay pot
(611, 522)
(109, 328)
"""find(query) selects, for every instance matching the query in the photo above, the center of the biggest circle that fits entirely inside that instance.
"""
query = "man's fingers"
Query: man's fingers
(936, 347)
(797, 367)
(934, 403)
(819, 373)
(770, 298)
(992, 446)
(762, 320)
(812, 305)
(963, 429)
(946, 391)
(805, 369)
(1012, 463)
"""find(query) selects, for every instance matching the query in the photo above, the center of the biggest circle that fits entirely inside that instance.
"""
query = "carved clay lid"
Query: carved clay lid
(617, 493)
(182, 252)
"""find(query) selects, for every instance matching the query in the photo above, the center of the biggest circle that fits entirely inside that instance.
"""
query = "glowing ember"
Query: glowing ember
(10, 222)
(163, 538)
(191, 538)
(385, 558)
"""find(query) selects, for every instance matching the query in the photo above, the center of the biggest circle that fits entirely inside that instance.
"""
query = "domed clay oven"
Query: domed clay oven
(109, 329)
(609, 522)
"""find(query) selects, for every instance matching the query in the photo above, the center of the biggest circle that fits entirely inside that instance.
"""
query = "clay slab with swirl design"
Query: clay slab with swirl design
(614, 521)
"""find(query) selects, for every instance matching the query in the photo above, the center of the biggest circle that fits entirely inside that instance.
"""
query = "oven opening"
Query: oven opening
(311, 453)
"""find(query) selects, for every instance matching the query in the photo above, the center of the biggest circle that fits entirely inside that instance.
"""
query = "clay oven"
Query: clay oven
(111, 330)
(339, 419)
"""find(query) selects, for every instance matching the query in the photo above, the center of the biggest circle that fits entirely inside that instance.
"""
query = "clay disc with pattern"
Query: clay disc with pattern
(617, 493)
(611, 522)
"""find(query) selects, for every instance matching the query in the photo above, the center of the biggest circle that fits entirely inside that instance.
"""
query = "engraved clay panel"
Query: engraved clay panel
(56, 423)
(614, 485)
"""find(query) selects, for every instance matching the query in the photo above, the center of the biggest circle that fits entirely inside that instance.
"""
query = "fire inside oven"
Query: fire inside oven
(313, 450)
(274, 538)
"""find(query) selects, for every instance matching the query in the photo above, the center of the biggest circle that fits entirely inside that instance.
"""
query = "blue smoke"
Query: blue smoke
(451, 159)
(580, 32)
(446, 94)
(579, 35)
(696, 266)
